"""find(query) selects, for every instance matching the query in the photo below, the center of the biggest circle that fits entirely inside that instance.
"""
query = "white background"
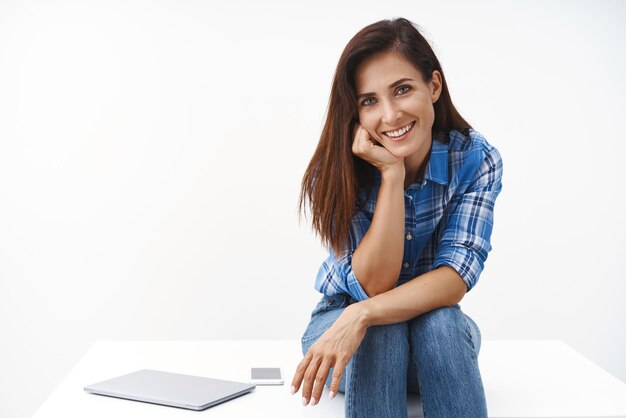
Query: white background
(151, 154)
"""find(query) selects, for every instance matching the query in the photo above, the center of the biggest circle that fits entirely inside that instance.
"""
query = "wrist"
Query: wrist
(394, 172)
(362, 313)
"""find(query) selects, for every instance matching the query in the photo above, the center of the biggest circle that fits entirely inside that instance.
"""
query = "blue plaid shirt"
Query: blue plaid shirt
(448, 217)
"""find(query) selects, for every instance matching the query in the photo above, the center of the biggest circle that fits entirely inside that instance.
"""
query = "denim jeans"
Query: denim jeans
(433, 355)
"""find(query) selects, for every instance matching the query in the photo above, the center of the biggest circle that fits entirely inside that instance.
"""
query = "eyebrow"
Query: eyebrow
(392, 85)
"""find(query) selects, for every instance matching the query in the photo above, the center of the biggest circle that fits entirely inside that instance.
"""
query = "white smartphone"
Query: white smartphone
(266, 376)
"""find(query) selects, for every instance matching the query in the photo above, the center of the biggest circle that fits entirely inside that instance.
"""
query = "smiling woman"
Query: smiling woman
(379, 114)
(402, 190)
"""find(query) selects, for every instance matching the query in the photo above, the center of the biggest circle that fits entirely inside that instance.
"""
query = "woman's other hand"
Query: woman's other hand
(333, 349)
(364, 147)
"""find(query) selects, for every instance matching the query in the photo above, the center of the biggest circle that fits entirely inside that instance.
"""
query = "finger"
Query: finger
(297, 378)
(309, 379)
(320, 379)
(356, 139)
(362, 141)
(338, 370)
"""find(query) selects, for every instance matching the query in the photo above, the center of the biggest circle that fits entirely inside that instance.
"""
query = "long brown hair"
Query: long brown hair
(334, 177)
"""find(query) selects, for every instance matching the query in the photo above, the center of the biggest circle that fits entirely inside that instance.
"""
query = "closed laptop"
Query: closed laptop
(171, 389)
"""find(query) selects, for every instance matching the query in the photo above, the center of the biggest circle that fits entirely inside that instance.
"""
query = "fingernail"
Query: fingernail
(293, 390)
(304, 401)
(331, 395)
(314, 401)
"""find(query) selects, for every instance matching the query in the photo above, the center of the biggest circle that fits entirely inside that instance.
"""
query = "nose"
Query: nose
(391, 113)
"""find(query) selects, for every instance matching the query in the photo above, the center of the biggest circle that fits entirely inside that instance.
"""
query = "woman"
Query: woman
(402, 190)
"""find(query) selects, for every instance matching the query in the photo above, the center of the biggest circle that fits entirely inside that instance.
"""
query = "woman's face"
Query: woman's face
(392, 96)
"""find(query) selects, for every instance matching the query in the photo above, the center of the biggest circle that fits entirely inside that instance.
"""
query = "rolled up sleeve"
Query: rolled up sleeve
(465, 241)
(335, 275)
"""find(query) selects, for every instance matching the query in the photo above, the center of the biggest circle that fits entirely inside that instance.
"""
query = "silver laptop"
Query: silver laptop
(172, 389)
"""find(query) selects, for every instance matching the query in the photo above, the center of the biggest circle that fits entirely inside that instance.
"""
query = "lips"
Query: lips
(404, 131)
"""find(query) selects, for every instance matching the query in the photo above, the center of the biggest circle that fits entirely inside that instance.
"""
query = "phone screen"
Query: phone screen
(265, 373)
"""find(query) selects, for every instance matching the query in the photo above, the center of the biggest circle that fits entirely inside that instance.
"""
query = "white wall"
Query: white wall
(151, 155)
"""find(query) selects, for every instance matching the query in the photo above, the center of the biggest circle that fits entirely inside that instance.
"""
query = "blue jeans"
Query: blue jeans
(433, 355)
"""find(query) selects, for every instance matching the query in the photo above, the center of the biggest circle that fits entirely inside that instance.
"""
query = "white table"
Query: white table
(522, 379)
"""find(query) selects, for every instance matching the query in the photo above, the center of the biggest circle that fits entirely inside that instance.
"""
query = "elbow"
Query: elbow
(374, 288)
(457, 297)
(371, 292)
(452, 298)
(457, 288)
(375, 282)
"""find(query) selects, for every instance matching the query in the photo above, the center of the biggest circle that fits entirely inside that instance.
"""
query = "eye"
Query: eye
(365, 102)
(401, 90)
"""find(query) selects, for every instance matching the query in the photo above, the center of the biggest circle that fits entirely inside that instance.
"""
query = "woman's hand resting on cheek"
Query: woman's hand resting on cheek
(364, 147)
(333, 349)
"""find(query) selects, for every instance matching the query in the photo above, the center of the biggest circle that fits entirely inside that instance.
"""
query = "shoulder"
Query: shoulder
(470, 141)
(471, 155)
(471, 145)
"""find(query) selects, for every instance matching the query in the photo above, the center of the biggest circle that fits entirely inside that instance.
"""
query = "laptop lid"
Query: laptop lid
(172, 389)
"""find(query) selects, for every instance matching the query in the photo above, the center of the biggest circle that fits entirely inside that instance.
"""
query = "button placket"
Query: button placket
(409, 225)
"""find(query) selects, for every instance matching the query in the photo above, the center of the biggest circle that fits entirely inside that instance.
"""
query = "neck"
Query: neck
(415, 165)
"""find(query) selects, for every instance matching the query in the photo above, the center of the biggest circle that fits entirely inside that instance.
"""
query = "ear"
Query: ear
(436, 86)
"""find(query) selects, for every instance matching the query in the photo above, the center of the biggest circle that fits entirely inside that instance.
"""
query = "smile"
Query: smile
(399, 134)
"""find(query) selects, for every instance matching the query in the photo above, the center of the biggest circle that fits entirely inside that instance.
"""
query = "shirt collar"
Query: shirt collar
(437, 168)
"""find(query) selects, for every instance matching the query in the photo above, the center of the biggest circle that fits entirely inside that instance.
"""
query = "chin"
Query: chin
(404, 150)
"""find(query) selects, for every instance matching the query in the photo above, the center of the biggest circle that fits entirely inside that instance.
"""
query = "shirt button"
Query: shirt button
(406, 265)
(409, 236)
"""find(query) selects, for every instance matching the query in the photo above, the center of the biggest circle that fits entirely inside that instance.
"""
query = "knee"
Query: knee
(391, 342)
(441, 327)
(388, 334)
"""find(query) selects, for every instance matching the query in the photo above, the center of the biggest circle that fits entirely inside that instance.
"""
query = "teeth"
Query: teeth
(399, 132)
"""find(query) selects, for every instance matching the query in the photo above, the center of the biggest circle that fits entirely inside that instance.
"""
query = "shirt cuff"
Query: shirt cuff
(464, 261)
(354, 287)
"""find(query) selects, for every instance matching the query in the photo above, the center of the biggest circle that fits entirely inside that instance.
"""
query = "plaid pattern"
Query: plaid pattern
(448, 217)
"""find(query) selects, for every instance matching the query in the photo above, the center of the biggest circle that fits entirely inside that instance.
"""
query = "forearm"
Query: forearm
(440, 287)
(377, 260)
